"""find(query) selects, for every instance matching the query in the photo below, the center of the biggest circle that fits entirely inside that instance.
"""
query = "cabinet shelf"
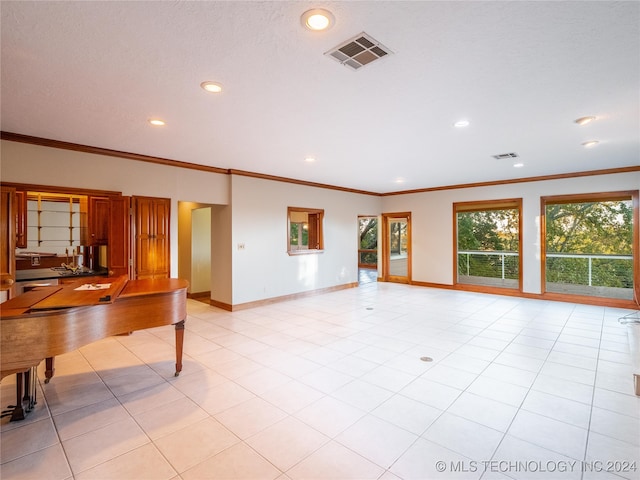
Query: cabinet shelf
(65, 212)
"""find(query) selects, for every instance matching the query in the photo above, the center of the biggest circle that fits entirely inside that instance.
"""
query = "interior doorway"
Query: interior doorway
(367, 248)
(194, 248)
(396, 247)
(201, 252)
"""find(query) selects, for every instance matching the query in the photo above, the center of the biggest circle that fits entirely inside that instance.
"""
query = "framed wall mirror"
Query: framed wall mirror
(304, 230)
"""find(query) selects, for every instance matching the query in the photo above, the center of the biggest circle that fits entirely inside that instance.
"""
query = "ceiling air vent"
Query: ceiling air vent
(358, 51)
(503, 156)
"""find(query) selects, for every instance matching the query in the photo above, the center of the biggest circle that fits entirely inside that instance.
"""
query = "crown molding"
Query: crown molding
(45, 142)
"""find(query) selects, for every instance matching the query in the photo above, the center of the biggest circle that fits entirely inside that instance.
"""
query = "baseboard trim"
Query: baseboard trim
(283, 298)
(605, 302)
(196, 295)
(555, 297)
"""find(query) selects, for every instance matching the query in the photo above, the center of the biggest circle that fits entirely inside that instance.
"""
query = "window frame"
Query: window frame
(369, 250)
(315, 230)
(632, 195)
(479, 206)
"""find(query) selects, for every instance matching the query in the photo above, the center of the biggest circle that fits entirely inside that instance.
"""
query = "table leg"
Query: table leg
(18, 411)
(49, 368)
(179, 344)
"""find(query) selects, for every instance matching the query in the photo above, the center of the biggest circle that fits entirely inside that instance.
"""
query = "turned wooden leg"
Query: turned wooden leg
(49, 369)
(179, 343)
(18, 411)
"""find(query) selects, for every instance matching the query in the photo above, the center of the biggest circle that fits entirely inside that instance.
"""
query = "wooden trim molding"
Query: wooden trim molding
(28, 187)
(386, 248)
(634, 196)
(274, 178)
(282, 298)
(493, 183)
(18, 137)
(76, 147)
(556, 297)
(44, 142)
(482, 205)
(199, 295)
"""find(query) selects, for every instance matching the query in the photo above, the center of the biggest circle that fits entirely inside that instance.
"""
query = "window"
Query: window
(304, 227)
(588, 245)
(487, 236)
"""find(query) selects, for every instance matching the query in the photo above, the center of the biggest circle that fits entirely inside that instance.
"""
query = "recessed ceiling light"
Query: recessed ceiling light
(156, 122)
(399, 180)
(211, 87)
(461, 123)
(309, 159)
(590, 143)
(317, 19)
(584, 120)
(518, 165)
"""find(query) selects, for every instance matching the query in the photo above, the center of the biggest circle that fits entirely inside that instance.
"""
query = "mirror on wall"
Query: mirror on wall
(304, 230)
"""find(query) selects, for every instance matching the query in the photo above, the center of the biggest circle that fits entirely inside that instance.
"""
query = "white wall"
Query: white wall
(253, 211)
(201, 250)
(432, 220)
(35, 164)
(221, 258)
(263, 269)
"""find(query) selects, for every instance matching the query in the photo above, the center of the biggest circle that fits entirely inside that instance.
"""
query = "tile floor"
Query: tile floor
(334, 387)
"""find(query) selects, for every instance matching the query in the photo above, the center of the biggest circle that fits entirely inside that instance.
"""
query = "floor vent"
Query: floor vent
(358, 51)
(502, 156)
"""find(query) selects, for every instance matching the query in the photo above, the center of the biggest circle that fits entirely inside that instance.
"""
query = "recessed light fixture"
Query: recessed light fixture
(156, 122)
(518, 165)
(309, 159)
(461, 123)
(211, 87)
(585, 120)
(590, 143)
(317, 19)
(399, 180)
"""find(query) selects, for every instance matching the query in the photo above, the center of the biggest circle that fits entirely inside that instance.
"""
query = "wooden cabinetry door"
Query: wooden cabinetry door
(99, 214)
(161, 238)
(119, 220)
(151, 237)
(7, 242)
(21, 219)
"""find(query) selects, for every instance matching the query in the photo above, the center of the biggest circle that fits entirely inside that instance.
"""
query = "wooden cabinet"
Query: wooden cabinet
(21, 218)
(7, 242)
(119, 228)
(151, 237)
(108, 219)
(98, 216)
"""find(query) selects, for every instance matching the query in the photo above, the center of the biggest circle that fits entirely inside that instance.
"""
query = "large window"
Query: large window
(488, 243)
(588, 245)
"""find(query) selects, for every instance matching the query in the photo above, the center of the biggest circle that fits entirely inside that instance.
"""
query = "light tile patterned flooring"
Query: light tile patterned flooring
(333, 387)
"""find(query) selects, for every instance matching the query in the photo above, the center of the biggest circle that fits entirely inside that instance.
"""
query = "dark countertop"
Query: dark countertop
(48, 273)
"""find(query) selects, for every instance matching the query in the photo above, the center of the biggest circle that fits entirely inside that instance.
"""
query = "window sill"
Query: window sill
(304, 252)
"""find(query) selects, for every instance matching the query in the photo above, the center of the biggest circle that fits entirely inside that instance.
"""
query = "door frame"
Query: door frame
(386, 247)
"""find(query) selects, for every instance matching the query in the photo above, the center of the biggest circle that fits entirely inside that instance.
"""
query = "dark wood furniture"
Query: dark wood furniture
(52, 320)
(151, 237)
(7, 241)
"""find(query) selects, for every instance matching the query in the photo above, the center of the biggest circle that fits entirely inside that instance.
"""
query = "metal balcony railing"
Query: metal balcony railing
(591, 270)
(501, 254)
(588, 270)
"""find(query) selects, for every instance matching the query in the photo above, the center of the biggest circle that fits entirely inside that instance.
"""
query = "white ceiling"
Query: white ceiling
(521, 72)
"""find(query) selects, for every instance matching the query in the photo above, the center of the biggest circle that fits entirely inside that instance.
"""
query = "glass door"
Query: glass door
(397, 247)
